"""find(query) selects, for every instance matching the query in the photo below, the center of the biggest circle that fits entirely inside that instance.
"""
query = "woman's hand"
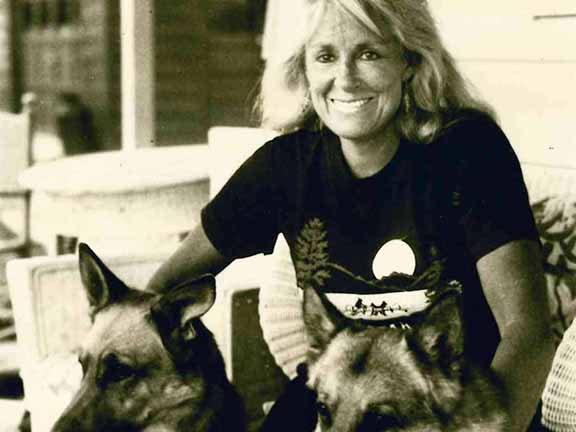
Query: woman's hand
(513, 282)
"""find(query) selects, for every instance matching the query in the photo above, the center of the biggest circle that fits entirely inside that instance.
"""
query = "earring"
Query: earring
(306, 103)
(406, 99)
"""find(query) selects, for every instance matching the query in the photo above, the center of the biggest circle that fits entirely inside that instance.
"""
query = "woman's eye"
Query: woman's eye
(370, 55)
(324, 58)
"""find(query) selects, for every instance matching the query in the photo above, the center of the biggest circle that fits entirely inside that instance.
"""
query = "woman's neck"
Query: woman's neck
(366, 157)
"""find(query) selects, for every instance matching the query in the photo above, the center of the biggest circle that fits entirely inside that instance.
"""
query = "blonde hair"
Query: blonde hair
(434, 93)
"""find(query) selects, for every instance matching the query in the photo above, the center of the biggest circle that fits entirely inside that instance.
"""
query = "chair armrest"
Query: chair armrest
(235, 322)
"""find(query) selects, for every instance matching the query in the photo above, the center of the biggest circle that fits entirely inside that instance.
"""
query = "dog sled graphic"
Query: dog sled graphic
(384, 309)
(380, 307)
(359, 308)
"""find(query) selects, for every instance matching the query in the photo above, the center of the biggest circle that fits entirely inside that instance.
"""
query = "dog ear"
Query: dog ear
(440, 334)
(321, 318)
(175, 311)
(101, 285)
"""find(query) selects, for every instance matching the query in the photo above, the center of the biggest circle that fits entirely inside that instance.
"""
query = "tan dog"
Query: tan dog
(149, 363)
(373, 379)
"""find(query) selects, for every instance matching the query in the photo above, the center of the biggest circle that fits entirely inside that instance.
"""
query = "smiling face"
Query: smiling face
(354, 76)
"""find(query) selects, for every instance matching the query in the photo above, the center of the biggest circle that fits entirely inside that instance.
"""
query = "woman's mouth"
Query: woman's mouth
(349, 106)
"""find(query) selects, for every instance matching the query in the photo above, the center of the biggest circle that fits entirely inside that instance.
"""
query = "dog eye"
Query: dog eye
(374, 421)
(116, 371)
(120, 372)
(323, 412)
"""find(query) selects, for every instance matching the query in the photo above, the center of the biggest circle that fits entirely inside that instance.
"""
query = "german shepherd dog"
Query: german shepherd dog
(373, 378)
(149, 364)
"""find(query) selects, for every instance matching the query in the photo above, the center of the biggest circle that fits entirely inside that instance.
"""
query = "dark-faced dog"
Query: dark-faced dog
(371, 379)
(149, 364)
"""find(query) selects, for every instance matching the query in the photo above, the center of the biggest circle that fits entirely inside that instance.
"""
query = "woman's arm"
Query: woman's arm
(194, 257)
(513, 282)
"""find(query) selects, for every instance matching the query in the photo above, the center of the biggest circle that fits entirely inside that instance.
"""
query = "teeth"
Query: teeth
(349, 106)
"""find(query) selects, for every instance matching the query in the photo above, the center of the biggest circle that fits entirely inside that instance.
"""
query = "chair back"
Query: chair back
(552, 192)
(234, 318)
(15, 148)
(559, 397)
(279, 303)
(280, 310)
(15, 154)
(51, 316)
(229, 147)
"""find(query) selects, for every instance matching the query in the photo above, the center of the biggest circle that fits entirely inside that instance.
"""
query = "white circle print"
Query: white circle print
(394, 256)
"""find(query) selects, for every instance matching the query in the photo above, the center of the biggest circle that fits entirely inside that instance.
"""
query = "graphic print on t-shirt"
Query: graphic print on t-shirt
(395, 256)
(394, 295)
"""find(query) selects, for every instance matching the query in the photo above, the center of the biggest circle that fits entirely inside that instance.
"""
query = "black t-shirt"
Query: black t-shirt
(451, 201)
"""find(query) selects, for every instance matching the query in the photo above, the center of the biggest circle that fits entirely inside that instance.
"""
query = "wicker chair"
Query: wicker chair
(51, 317)
(559, 397)
(47, 297)
(15, 156)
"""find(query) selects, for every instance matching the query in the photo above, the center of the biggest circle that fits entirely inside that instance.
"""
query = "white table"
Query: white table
(139, 200)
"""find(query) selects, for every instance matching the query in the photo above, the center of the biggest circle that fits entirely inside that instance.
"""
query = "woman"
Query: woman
(384, 145)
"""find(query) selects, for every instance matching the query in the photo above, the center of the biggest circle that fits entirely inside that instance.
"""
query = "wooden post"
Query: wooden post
(14, 48)
(137, 58)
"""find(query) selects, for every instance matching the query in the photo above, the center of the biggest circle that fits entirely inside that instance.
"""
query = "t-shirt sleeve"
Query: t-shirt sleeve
(489, 189)
(241, 220)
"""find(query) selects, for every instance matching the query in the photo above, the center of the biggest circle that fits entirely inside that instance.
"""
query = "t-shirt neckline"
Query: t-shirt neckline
(340, 173)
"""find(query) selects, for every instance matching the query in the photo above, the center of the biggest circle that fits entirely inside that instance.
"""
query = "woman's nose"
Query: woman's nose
(347, 75)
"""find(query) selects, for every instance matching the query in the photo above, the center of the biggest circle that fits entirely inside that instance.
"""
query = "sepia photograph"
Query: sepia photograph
(287, 215)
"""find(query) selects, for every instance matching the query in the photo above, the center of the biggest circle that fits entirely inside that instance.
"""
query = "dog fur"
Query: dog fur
(149, 364)
(375, 378)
